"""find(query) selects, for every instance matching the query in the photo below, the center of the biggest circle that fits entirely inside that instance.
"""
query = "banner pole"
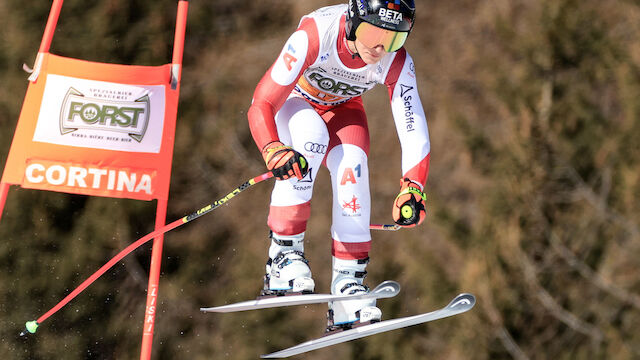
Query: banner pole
(154, 279)
(45, 44)
(178, 43)
(4, 190)
(52, 23)
(161, 212)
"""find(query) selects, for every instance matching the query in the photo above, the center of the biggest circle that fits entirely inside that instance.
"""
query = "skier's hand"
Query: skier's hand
(284, 162)
(409, 206)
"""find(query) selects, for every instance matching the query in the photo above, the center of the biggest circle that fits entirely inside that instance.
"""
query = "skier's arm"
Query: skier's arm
(409, 117)
(272, 91)
(411, 125)
(300, 50)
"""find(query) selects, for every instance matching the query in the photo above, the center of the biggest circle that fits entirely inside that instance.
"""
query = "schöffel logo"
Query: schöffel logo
(82, 112)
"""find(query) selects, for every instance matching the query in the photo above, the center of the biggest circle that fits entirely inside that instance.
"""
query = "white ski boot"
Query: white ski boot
(347, 279)
(287, 270)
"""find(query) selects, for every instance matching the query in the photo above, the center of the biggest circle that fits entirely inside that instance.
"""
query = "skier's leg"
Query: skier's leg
(347, 160)
(287, 269)
(351, 235)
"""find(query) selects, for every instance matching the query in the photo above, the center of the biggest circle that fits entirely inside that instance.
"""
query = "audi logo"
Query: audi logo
(315, 148)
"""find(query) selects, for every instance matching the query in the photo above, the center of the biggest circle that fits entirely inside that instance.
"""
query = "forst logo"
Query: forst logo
(81, 112)
(336, 87)
(92, 113)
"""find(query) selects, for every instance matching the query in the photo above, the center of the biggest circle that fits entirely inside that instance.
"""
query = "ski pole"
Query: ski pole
(387, 227)
(32, 326)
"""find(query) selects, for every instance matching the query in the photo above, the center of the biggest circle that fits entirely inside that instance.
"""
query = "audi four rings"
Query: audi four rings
(315, 148)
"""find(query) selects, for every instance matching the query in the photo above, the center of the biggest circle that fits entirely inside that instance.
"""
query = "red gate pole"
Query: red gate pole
(45, 45)
(154, 279)
(156, 253)
(52, 22)
(4, 190)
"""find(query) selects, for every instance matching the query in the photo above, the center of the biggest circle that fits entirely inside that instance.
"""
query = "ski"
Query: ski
(459, 305)
(386, 289)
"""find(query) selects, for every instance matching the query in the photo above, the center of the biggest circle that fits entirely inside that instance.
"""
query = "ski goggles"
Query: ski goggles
(372, 36)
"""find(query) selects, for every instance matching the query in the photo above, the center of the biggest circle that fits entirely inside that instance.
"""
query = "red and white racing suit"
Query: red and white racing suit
(310, 99)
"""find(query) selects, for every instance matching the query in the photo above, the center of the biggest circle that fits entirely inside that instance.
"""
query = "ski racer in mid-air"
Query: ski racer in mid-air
(307, 112)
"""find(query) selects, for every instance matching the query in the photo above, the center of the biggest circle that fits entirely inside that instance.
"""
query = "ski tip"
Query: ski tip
(277, 355)
(462, 302)
(386, 289)
(218, 309)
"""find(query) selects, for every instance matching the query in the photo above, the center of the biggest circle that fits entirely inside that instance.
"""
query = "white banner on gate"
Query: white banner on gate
(101, 115)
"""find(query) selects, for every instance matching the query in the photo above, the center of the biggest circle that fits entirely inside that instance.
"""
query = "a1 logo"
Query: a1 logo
(289, 58)
(350, 176)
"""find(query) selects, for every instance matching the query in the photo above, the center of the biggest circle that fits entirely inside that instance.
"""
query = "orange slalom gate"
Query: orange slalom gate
(100, 130)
